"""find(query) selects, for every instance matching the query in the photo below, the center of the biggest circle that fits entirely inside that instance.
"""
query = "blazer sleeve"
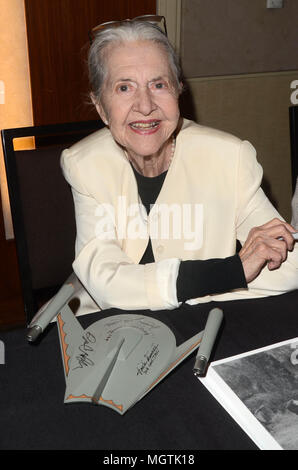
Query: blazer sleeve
(108, 274)
(254, 209)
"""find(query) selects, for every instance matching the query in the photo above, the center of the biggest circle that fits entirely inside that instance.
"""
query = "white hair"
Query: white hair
(127, 31)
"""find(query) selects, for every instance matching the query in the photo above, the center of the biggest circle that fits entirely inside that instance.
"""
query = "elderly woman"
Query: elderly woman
(161, 201)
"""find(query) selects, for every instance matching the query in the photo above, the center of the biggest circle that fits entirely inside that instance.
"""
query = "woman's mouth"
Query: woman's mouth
(145, 127)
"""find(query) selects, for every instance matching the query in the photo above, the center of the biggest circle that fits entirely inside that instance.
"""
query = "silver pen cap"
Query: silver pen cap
(200, 365)
(33, 333)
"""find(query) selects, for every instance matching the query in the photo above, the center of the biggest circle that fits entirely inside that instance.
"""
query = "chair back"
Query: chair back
(42, 208)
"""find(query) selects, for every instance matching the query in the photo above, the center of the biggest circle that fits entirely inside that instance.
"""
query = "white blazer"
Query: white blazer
(211, 196)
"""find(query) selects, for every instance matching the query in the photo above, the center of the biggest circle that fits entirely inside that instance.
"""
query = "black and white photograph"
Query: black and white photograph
(266, 382)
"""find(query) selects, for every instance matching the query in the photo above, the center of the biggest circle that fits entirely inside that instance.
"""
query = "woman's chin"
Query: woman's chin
(144, 152)
(146, 146)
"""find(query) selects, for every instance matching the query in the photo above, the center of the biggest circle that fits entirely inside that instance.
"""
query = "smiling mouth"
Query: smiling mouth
(144, 125)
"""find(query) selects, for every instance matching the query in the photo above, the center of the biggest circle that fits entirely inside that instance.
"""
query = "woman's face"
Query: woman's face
(139, 100)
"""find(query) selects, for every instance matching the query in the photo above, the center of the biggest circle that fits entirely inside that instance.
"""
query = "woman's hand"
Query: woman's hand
(267, 244)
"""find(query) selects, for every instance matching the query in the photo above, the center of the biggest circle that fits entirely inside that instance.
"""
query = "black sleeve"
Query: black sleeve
(197, 278)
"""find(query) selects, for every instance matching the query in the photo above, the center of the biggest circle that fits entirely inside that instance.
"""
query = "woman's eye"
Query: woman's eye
(159, 86)
(123, 88)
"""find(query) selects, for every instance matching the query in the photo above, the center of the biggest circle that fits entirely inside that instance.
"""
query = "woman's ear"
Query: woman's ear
(99, 109)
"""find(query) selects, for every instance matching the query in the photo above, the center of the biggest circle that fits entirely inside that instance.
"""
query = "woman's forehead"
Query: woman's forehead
(134, 57)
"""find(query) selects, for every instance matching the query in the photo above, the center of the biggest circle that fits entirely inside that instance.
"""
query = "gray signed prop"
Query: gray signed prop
(117, 360)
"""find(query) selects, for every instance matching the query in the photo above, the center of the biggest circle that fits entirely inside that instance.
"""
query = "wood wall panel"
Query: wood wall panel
(58, 44)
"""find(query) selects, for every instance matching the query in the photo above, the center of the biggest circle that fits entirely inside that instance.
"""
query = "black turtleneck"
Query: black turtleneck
(196, 278)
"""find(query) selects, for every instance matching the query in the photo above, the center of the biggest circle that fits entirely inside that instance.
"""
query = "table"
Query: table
(177, 414)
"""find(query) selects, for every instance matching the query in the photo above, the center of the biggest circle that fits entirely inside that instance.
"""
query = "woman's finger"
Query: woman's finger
(274, 229)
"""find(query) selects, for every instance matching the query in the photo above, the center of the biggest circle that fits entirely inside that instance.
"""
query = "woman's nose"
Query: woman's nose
(144, 103)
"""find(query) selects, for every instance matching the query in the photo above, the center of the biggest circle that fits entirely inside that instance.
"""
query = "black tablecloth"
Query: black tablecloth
(177, 414)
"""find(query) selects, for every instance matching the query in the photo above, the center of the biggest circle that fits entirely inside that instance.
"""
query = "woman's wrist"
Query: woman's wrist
(197, 278)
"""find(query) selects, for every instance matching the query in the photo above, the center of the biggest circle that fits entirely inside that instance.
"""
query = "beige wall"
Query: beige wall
(15, 107)
(224, 37)
(253, 106)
